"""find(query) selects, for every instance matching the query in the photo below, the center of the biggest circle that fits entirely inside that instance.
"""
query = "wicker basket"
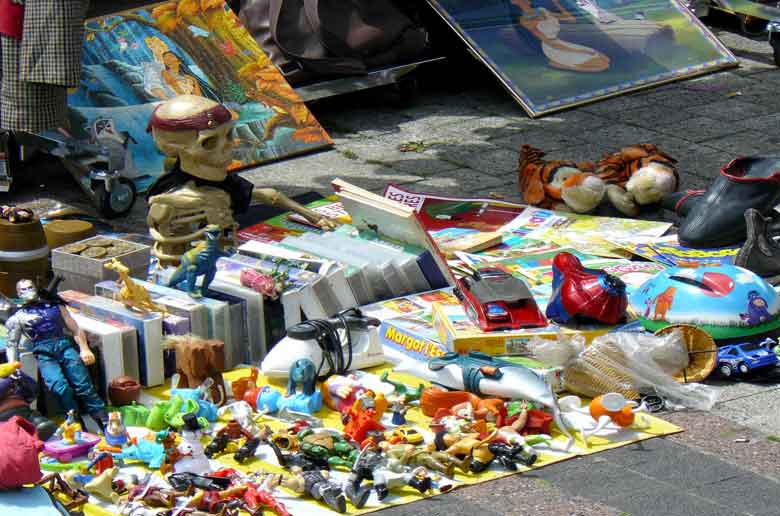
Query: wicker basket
(702, 352)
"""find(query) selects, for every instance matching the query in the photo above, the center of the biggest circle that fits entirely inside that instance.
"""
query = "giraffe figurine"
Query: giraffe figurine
(132, 295)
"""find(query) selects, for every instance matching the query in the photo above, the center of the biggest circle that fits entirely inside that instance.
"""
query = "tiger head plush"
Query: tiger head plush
(638, 175)
(558, 184)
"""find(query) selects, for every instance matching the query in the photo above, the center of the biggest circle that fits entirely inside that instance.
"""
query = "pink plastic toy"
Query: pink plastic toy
(66, 452)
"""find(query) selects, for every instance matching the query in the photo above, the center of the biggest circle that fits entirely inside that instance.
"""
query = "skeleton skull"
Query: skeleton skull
(194, 130)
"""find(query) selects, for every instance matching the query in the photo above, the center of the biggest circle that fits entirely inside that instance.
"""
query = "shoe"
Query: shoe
(717, 217)
(760, 254)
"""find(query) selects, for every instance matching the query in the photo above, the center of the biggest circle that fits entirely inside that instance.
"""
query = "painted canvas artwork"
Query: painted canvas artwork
(134, 60)
(554, 54)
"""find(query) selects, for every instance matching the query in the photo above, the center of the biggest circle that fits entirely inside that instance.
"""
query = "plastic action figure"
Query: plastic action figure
(63, 368)
(200, 261)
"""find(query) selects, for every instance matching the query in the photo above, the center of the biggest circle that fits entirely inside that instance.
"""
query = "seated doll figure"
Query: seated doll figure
(63, 368)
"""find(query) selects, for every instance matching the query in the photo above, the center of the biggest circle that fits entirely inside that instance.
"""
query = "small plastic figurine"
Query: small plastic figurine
(315, 483)
(116, 433)
(402, 390)
(70, 430)
(64, 369)
(200, 261)
(372, 465)
(132, 295)
(303, 373)
(399, 410)
(193, 459)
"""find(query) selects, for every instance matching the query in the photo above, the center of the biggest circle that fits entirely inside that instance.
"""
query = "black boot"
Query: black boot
(717, 218)
(332, 495)
(760, 254)
(422, 484)
(357, 493)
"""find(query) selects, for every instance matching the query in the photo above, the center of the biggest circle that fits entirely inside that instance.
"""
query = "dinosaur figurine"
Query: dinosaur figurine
(200, 261)
(132, 295)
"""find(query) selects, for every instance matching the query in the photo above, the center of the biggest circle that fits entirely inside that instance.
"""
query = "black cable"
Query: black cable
(329, 341)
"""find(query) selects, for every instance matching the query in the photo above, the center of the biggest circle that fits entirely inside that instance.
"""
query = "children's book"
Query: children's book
(390, 218)
(451, 240)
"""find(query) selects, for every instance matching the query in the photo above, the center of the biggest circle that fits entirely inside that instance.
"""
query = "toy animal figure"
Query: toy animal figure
(198, 359)
(243, 384)
(200, 261)
(663, 302)
(558, 184)
(115, 432)
(302, 372)
(132, 295)
(638, 175)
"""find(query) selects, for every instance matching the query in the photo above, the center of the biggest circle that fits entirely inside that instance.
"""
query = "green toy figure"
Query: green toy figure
(400, 389)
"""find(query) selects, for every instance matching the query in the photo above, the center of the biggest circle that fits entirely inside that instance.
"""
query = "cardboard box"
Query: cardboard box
(459, 334)
(81, 273)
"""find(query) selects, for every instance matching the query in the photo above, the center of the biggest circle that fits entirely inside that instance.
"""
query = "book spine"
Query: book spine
(431, 271)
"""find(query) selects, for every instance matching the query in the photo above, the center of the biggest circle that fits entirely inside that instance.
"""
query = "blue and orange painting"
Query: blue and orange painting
(134, 60)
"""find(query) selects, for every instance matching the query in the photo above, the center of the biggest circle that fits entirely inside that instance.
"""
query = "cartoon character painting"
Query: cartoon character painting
(663, 302)
(757, 312)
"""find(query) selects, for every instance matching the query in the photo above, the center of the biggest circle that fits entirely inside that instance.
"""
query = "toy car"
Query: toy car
(745, 357)
(404, 434)
(495, 300)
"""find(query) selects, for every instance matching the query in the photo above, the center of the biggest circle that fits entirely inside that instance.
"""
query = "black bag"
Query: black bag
(311, 39)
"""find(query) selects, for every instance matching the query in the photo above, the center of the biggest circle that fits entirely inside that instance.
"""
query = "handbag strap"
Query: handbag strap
(326, 65)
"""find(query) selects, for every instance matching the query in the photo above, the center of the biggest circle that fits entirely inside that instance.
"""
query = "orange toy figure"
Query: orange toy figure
(605, 409)
(363, 418)
(434, 399)
(243, 384)
(663, 302)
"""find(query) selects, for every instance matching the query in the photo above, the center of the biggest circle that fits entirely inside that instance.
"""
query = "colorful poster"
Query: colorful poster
(134, 60)
(553, 54)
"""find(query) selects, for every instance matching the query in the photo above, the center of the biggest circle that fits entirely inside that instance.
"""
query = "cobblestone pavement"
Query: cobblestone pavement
(725, 462)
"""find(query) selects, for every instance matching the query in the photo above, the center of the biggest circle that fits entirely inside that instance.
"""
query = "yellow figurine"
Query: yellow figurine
(132, 294)
(9, 368)
(70, 430)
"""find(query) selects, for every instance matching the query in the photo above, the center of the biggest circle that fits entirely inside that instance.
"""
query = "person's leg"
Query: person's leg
(79, 379)
(55, 380)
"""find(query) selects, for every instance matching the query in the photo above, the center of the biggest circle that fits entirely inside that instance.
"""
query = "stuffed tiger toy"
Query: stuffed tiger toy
(558, 184)
(638, 175)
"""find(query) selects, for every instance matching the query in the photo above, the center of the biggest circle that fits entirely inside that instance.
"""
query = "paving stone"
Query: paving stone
(489, 158)
(699, 129)
(649, 116)
(743, 493)
(466, 183)
(545, 139)
(620, 104)
(602, 477)
(316, 171)
(671, 503)
(618, 135)
(744, 143)
(680, 98)
(723, 439)
(386, 151)
(724, 82)
(731, 110)
(760, 411)
(682, 467)
(766, 123)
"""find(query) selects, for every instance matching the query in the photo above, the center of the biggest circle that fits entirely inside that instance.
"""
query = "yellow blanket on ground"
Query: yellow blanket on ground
(612, 437)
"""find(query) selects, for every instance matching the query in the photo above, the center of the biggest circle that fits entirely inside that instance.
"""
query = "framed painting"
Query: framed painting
(555, 54)
(136, 59)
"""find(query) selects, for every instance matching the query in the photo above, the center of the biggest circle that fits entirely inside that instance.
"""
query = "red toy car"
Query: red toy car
(496, 300)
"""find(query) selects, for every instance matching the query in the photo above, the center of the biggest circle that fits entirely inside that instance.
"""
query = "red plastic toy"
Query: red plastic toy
(587, 293)
(496, 300)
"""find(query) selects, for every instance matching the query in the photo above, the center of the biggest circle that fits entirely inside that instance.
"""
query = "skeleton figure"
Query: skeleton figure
(198, 191)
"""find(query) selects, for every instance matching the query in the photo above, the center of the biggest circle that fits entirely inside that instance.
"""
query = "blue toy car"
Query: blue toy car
(746, 357)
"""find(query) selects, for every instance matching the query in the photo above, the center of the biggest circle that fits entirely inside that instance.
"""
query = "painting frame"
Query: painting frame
(134, 59)
(537, 109)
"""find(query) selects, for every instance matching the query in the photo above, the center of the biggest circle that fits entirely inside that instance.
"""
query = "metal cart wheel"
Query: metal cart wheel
(116, 202)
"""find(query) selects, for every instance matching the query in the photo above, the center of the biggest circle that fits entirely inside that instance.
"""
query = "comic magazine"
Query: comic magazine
(437, 212)
(671, 251)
